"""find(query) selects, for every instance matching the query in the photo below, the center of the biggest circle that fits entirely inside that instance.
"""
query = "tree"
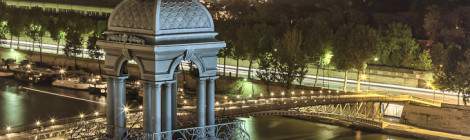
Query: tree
(56, 31)
(267, 69)
(251, 41)
(399, 48)
(431, 21)
(94, 51)
(16, 24)
(35, 32)
(354, 46)
(291, 62)
(453, 74)
(317, 39)
(73, 44)
(3, 29)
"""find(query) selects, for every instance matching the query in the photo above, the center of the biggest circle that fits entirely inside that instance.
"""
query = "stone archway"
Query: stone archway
(158, 35)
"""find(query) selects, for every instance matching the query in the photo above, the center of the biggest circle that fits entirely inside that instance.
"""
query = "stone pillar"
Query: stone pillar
(201, 106)
(211, 106)
(174, 93)
(166, 109)
(116, 102)
(152, 110)
(110, 106)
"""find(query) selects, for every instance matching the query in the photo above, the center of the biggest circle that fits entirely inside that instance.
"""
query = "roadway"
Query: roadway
(325, 82)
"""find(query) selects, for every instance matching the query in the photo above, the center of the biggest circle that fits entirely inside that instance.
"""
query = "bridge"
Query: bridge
(355, 109)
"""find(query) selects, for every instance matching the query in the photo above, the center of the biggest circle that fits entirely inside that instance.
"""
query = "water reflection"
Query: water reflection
(279, 128)
(19, 107)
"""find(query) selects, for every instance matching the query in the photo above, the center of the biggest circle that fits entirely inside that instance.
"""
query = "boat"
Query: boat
(27, 73)
(6, 74)
(98, 88)
(6, 66)
(71, 84)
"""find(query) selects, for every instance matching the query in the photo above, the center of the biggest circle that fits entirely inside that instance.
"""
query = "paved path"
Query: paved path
(424, 133)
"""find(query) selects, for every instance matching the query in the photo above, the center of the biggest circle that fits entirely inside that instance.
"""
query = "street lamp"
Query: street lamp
(38, 123)
(62, 72)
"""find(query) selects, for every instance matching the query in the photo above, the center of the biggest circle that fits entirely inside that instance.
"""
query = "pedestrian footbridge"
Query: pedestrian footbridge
(364, 110)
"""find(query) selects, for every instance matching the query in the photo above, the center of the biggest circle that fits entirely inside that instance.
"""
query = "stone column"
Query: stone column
(116, 102)
(166, 109)
(110, 106)
(174, 93)
(211, 106)
(201, 106)
(152, 110)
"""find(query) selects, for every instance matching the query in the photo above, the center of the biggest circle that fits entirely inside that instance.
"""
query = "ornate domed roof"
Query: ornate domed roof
(162, 20)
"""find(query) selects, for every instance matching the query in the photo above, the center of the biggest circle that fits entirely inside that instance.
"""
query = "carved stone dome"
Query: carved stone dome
(159, 21)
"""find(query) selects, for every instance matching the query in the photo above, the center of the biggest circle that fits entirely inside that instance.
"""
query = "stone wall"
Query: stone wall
(448, 118)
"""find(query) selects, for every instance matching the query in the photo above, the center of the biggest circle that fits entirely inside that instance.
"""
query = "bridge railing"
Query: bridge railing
(224, 131)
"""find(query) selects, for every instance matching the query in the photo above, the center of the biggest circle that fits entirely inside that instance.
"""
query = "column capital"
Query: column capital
(214, 78)
(170, 82)
(116, 77)
(208, 78)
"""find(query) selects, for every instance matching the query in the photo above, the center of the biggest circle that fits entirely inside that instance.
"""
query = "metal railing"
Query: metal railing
(234, 130)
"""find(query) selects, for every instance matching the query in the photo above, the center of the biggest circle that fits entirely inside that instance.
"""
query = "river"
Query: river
(280, 128)
(23, 107)
(20, 107)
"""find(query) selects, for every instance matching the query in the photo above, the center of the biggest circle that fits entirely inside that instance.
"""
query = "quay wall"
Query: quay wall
(447, 118)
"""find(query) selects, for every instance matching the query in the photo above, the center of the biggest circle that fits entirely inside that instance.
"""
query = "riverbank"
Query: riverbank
(389, 128)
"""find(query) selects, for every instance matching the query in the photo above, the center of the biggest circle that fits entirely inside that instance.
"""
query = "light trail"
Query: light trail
(49, 48)
(64, 96)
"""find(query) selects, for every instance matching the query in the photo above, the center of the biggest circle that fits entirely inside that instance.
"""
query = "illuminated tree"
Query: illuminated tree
(354, 46)
(317, 38)
(291, 61)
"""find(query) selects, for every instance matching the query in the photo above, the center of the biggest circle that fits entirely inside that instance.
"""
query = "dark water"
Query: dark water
(23, 107)
(280, 128)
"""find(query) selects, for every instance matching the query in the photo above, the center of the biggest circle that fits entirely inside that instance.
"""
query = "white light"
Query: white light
(8, 128)
(140, 107)
(126, 109)
(82, 115)
(52, 120)
(38, 123)
(97, 113)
